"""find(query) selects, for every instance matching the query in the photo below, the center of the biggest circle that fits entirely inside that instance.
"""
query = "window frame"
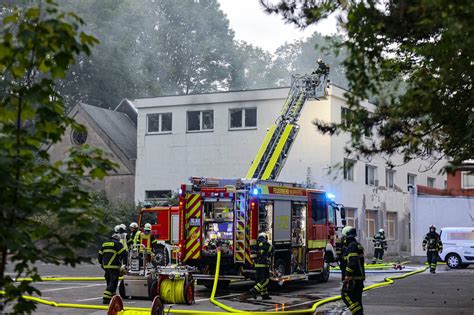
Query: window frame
(374, 220)
(430, 182)
(200, 121)
(350, 170)
(244, 115)
(160, 124)
(468, 173)
(392, 221)
(367, 167)
(352, 218)
(408, 179)
(391, 172)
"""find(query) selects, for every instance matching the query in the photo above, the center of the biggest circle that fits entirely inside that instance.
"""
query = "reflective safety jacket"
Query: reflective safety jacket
(379, 241)
(354, 259)
(432, 242)
(264, 254)
(134, 239)
(112, 254)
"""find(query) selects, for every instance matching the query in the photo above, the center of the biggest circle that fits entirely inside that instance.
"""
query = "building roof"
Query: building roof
(117, 126)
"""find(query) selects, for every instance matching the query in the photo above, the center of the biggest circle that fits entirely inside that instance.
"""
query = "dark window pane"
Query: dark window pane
(194, 121)
(251, 117)
(157, 194)
(154, 123)
(235, 118)
(318, 208)
(166, 122)
(207, 120)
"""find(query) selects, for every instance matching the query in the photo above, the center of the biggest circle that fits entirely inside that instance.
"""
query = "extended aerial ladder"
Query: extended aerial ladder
(277, 143)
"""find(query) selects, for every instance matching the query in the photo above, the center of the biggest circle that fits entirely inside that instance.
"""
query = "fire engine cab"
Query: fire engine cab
(228, 215)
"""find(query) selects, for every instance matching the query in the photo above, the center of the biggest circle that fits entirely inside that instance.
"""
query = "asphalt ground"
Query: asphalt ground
(294, 295)
(446, 292)
(395, 299)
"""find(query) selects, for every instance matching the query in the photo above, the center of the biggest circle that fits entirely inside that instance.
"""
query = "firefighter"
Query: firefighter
(262, 267)
(432, 244)
(380, 245)
(112, 256)
(133, 233)
(340, 248)
(121, 231)
(353, 284)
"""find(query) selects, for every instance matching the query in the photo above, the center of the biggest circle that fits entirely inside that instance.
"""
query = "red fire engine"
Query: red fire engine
(227, 215)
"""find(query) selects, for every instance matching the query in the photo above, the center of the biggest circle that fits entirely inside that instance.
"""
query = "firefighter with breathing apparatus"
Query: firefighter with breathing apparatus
(353, 284)
(263, 261)
(112, 258)
(380, 245)
(432, 244)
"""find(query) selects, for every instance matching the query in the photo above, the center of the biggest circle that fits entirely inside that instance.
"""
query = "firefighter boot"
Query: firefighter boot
(266, 297)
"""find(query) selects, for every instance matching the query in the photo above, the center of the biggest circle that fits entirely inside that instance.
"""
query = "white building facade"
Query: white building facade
(218, 135)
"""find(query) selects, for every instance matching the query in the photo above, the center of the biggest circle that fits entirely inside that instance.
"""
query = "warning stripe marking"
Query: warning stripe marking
(192, 251)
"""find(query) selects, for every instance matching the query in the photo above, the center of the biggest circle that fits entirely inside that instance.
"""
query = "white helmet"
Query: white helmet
(134, 225)
(147, 227)
(262, 235)
(381, 231)
(349, 231)
(123, 226)
(117, 228)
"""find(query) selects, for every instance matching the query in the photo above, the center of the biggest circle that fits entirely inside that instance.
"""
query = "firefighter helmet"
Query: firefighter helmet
(432, 226)
(263, 235)
(134, 225)
(123, 226)
(349, 231)
(382, 231)
(147, 227)
(117, 228)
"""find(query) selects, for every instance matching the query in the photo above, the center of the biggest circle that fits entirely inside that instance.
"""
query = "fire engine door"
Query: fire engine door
(281, 221)
(193, 227)
(316, 230)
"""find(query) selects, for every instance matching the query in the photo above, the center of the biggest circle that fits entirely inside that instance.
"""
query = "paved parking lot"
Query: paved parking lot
(296, 295)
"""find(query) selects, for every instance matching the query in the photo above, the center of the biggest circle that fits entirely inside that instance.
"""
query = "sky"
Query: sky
(251, 24)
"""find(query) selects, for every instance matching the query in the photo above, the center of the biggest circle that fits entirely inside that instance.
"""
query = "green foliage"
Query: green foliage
(37, 45)
(425, 47)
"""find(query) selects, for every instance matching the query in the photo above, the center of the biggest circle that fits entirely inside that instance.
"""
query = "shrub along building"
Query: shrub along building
(113, 131)
(218, 135)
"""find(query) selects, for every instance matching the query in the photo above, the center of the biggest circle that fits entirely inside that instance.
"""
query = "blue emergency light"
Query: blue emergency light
(255, 191)
(330, 196)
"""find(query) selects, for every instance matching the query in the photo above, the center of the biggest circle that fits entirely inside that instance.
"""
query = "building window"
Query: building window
(346, 116)
(241, 118)
(445, 185)
(371, 175)
(430, 182)
(157, 194)
(201, 120)
(370, 222)
(390, 178)
(351, 217)
(349, 169)
(78, 137)
(467, 180)
(159, 123)
(411, 179)
(391, 225)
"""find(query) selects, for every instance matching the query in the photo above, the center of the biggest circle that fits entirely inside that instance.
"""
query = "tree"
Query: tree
(37, 45)
(428, 46)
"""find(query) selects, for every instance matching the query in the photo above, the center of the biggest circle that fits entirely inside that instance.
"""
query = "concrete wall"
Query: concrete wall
(164, 161)
(442, 211)
(118, 186)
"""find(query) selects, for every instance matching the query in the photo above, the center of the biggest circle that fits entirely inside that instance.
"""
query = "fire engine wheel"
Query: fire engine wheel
(157, 307)
(121, 289)
(324, 277)
(189, 293)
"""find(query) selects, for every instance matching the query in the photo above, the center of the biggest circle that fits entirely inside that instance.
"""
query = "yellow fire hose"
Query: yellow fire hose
(172, 291)
(64, 279)
(139, 310)
(387, 281)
